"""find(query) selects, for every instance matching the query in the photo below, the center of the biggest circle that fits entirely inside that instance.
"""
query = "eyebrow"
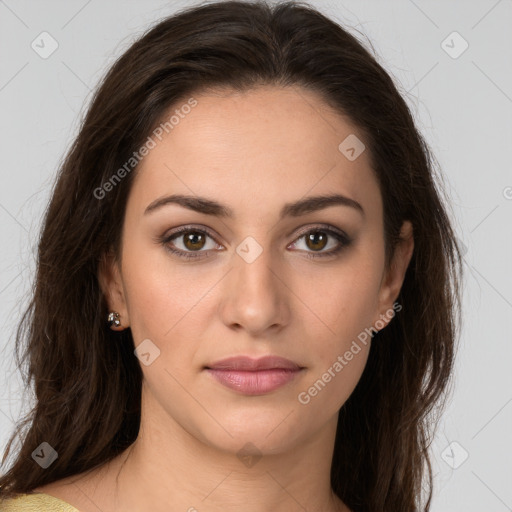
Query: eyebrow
(295, 209)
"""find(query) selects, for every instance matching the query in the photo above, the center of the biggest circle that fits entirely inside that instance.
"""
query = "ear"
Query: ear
(394, 276)
(111, 284)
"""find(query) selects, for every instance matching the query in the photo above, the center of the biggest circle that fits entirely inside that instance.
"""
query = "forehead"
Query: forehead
(253, 149)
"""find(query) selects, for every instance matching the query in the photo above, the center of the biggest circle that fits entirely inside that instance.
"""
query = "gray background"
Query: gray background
(462, 105)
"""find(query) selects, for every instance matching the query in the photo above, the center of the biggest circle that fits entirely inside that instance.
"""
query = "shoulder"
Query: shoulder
(37, 502)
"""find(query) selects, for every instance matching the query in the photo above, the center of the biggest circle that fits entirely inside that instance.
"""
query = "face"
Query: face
(263, 277)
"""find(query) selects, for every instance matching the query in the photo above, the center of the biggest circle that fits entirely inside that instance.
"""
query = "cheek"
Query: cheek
(339, 303)
(152, 305)
(339, 356)
(159, 293)
(339, 331)
(170, 303)
(326, 392)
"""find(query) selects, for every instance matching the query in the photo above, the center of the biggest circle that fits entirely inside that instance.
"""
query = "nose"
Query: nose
(255, 297)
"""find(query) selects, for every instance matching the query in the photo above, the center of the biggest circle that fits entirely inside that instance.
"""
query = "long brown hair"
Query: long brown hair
(88, 381)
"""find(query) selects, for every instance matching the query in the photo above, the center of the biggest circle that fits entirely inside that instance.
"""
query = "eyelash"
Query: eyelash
(341, 237)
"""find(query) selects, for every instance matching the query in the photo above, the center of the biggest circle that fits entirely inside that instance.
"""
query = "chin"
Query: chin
(268, 430)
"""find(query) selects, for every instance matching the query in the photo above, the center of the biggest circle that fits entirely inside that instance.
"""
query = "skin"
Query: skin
(254, 152)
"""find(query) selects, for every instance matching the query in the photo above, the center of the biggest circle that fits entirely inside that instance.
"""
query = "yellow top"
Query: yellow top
(37, 502)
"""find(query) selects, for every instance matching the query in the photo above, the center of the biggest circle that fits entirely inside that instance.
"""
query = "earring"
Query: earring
(113, 319)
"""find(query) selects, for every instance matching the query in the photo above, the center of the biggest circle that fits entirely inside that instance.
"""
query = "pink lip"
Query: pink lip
(254, 376)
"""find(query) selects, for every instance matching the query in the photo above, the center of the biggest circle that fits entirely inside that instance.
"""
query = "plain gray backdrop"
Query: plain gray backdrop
(453, 63)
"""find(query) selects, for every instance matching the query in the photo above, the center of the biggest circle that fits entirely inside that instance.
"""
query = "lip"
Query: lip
(254, 376)
(246, 363)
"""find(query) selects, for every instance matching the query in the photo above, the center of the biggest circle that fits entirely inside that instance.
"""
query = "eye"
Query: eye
(317, 239)
(188, 242)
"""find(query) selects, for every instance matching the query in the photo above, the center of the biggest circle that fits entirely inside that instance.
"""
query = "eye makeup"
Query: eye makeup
(332, 233)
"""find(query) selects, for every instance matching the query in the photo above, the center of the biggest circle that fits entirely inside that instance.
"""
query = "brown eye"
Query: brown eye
(189, 243)
(194, 240)
(316, 240)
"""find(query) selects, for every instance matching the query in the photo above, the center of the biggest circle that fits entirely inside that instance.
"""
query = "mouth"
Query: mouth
(254, 376)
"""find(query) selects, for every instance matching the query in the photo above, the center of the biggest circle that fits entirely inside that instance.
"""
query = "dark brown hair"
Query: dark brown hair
(88, 381)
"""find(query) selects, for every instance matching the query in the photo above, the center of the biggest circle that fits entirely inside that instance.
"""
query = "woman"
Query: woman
(247, 282)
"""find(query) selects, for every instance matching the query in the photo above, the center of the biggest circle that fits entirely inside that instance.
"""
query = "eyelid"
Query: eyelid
(320, 226)
(190, 227)
(307, 228)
